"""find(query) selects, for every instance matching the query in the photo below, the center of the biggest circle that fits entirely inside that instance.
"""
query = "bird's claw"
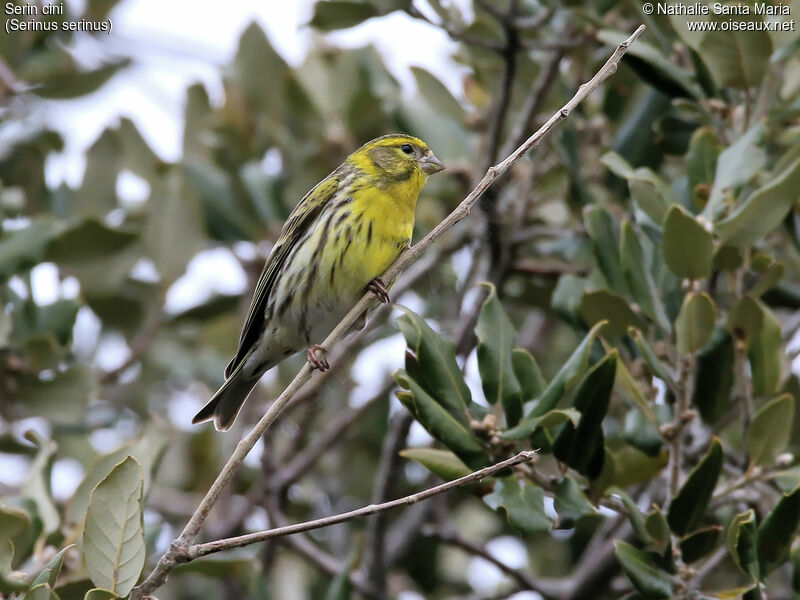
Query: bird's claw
(377, 287)
(317, 359)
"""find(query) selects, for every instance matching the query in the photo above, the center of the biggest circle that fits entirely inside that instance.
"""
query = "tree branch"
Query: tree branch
(179, 548)
(198, 550)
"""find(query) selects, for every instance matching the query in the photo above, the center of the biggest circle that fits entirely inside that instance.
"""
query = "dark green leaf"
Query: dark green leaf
(745, 319)
(523, 504)
(435, 358)
(770, 430)
(713, 378)
(699, 544)
(340, 14)
(641, 569)
(741, 540)
(571, 504)
(582, 447)
(688, 508)
(496, 336)
(22, 249)
(439, 423)
(776, 532)
(640, 283)
(442, 463)
(600, 227)
(531, 381)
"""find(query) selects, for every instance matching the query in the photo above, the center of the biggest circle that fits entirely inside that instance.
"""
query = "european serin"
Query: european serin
(336, 244)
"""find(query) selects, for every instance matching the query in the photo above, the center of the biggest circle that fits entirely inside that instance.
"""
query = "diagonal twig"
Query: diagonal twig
(198, 550)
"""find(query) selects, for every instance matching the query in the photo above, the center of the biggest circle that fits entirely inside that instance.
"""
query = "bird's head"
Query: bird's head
(396, 157)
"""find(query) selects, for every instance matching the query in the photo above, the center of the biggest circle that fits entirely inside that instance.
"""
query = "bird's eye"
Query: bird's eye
(407, 148)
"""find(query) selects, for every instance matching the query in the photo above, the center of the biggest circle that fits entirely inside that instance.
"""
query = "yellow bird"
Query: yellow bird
(335, 245)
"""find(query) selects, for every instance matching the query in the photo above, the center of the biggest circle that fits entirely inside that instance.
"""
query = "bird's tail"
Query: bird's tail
(227, 402)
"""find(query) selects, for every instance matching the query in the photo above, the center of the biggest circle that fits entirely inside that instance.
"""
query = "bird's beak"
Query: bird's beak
(430, 164)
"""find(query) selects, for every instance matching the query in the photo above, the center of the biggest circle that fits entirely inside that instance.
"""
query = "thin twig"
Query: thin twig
(198, 550)
(179, 548)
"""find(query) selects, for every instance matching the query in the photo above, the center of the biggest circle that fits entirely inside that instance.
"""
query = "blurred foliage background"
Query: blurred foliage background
(666, 205)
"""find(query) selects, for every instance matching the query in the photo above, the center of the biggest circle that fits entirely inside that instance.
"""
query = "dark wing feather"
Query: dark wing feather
(298, 223)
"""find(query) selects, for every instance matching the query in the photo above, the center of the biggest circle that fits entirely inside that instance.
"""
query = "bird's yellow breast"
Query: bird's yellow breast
(375, 227)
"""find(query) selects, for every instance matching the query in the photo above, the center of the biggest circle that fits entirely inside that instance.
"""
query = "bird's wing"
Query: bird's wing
(298, 223)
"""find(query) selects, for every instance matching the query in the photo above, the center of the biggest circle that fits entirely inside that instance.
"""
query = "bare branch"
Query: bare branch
(198, 550)
(178, 550)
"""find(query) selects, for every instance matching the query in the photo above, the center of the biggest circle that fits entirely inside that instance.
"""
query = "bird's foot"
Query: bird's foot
(316, 357)
(377, 287)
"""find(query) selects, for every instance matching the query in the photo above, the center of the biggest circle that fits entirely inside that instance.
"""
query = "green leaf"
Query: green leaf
(523, 504)
(52, 569)
(16, 527)
(339, 14)
(742, 542)
(582, 447)
(78, 83)
(640, 283)
(635, 516)
(695, 322)
(679, 80)
(437, 95)
(701, 160)
(97, 195)
(41, 591)
(767, 355)
(687, 509)
(745, 319)
(496, 337)
(736, 165)
(531, 381)
(641, 569)
(571, 504)
(776, 532)
(439, 423)
(699, 544)
(37, 487)
(113, 538)
(547, 420)
(62, 399)
(657, 527)
(175, 230)
(602, 305)
(147, 451)
(567, 374)
(600, 227)
(770, 430)
(713, 377)
(763, 211)
(442, 463)
(648, 190)
(435, 358)
(736, 57)
(100, 594)
(99, 256)
(24, 248)
(688, 248)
